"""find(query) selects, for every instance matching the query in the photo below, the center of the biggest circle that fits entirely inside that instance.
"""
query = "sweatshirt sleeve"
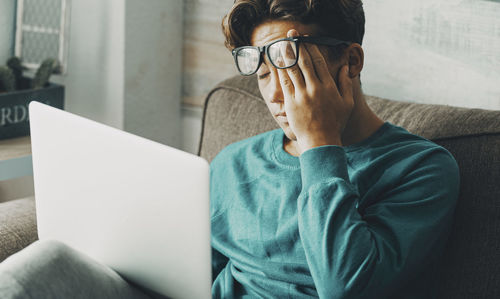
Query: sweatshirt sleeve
(371, 255)
(219, 261)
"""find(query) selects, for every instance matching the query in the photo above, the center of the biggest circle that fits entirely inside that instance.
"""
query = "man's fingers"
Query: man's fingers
(288, 56)
(286, 84)
(295, 75)
(345, 83)
(319, 63)
(306, 66)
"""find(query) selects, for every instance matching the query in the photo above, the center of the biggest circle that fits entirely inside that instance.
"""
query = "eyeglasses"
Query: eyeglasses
(282, 53)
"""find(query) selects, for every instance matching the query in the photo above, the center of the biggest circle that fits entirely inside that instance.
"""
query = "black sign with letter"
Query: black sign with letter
(14, 116)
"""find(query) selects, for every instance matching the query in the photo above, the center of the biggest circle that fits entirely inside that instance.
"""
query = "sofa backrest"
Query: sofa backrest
(234, 110)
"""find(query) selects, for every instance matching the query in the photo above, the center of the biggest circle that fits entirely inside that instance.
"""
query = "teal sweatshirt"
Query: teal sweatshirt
(369, 220)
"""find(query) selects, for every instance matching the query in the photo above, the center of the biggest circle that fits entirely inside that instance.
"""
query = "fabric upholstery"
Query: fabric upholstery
(234, 110)
(471, 265)
(17, 226)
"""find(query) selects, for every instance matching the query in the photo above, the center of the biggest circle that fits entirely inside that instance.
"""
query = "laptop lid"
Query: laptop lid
(138, 206)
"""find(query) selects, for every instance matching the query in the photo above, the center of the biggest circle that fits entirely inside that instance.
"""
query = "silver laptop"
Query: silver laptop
(138, 206)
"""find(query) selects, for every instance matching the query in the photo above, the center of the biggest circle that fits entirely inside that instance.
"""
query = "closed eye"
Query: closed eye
(263, 76)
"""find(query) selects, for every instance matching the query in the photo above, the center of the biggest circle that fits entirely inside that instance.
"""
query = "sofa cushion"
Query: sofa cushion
(471, 264)
(17, 226)
(233, 111)
(470, 268)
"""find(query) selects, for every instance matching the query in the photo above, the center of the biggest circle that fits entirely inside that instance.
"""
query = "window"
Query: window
(42, 31)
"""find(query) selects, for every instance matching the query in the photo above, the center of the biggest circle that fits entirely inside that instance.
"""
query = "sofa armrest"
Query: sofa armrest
(17, 226)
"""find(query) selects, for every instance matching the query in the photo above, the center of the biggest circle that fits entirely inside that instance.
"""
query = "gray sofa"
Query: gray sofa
(471, 265)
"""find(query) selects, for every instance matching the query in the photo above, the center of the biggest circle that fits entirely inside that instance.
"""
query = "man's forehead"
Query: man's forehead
(275, 29)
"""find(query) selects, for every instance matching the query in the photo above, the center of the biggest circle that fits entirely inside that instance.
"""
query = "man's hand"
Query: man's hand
(317, 112)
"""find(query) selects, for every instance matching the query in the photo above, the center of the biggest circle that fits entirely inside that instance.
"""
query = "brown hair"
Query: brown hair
(340, 19)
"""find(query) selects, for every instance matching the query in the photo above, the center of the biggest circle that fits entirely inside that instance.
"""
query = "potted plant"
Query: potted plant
(17, 91)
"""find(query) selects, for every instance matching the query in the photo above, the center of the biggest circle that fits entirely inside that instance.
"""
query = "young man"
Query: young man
(335, 204)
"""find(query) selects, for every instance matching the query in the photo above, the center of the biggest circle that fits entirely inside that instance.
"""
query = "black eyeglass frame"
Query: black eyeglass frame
(327, 41)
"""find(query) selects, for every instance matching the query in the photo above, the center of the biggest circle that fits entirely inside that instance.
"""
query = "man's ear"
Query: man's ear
(356, 59)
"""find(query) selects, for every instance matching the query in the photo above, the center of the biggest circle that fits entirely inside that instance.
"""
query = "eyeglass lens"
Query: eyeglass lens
(282, 54)
(248, 60)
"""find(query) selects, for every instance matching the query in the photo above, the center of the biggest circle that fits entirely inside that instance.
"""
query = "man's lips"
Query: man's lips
(281, 117)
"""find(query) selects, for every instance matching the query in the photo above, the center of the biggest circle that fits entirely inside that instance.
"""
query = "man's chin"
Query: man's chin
(290, 135)
(285, 126)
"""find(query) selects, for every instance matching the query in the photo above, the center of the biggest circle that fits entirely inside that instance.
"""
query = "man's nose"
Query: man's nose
(275, 91)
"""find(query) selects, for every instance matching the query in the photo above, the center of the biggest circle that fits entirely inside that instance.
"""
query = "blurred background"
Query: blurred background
(145, 66)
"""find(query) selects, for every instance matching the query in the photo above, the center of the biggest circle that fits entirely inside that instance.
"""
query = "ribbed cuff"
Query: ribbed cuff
(323, 163)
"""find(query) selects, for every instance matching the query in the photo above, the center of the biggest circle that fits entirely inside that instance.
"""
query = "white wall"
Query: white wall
(95, 80)
(153, 69)
(191, 128)
(124, 65)
(7, 26)
(427, 51)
